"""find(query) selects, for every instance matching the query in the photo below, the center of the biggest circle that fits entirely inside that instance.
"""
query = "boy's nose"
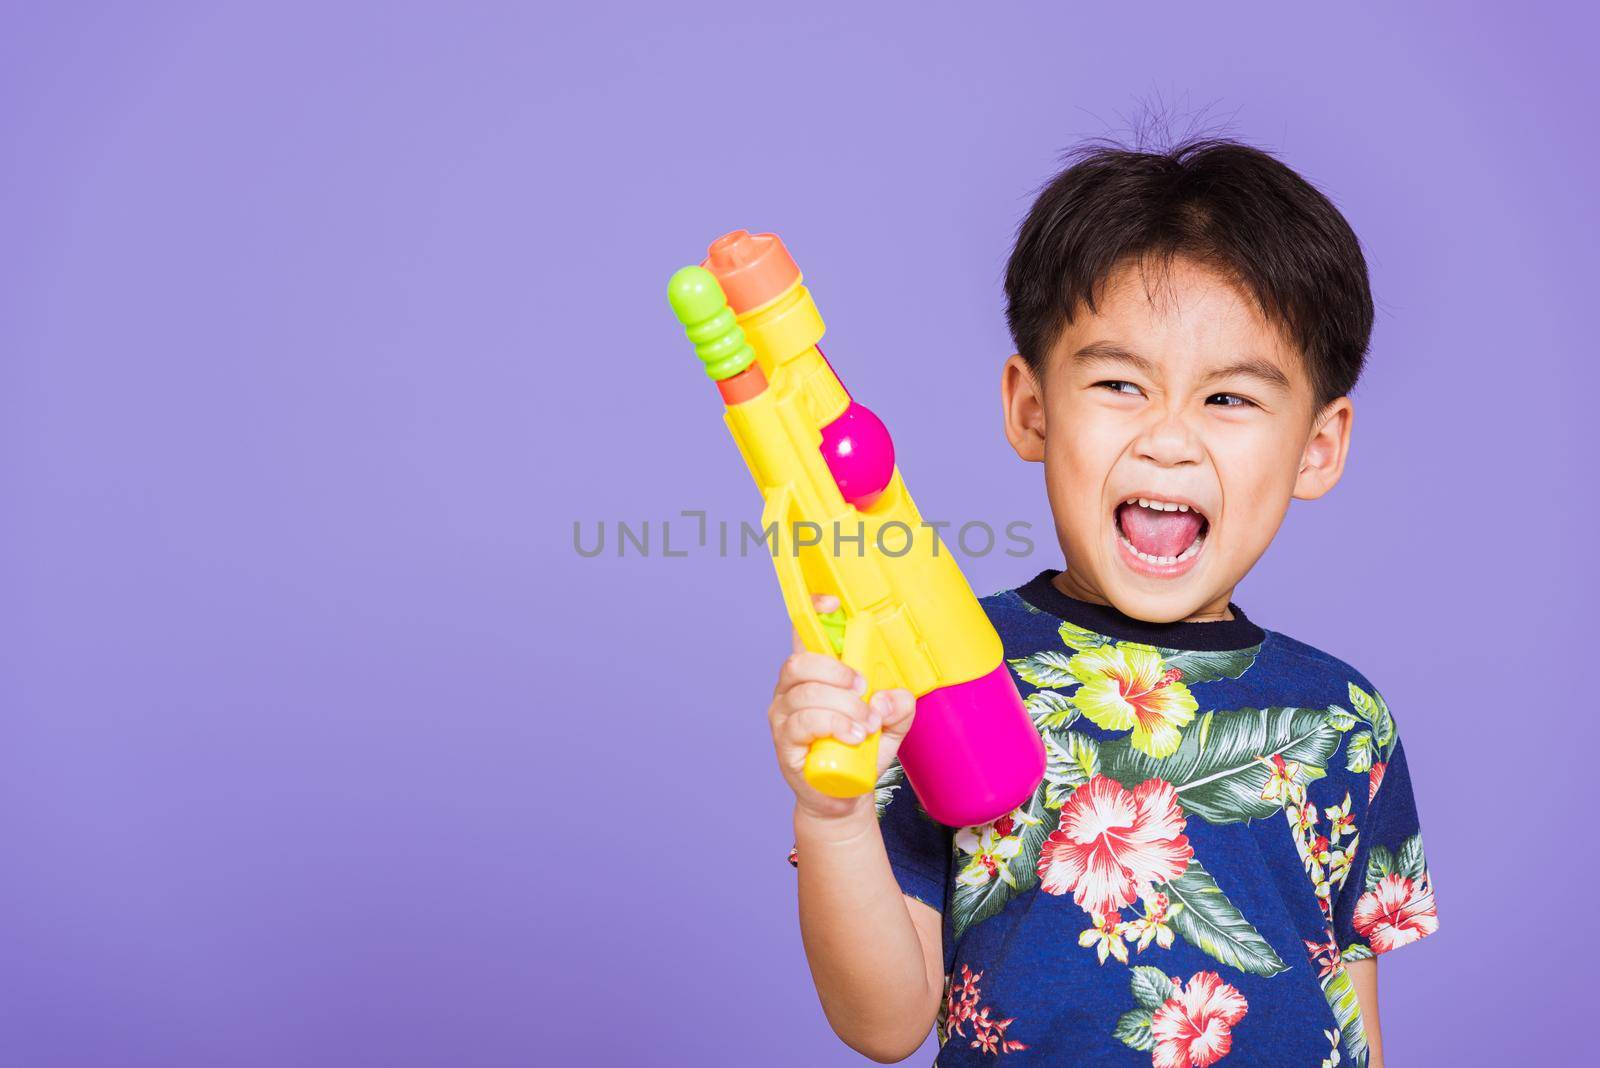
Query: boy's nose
(1169, 441)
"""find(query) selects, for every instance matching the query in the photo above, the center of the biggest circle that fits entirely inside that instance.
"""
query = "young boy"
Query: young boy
(1225, 839)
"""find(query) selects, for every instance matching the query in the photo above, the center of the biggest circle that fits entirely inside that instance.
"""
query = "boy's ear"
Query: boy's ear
(1323, 460)
(1022, 400)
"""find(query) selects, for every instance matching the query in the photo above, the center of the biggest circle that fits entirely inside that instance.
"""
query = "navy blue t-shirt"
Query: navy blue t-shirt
(1226, 819)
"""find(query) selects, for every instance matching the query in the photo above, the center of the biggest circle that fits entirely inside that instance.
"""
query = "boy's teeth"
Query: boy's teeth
(1160, 506)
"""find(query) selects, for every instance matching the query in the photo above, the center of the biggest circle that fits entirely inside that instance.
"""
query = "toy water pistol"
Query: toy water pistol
(841, 522)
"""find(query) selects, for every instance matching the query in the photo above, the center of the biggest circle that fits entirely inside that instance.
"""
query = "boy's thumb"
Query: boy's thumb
(899, 708)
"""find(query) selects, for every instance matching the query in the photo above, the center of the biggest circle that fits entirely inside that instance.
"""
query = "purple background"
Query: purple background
(321, 324)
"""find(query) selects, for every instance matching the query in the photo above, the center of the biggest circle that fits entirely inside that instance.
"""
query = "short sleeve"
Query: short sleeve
(917, 845)
(1387, 901)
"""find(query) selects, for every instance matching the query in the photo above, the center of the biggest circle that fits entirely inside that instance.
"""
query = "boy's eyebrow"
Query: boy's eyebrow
(1252, 367)
(1249, 367)
(1107, 352)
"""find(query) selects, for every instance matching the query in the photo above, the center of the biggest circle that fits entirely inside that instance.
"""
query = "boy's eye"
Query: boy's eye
(1231, 400)
(1120, 387)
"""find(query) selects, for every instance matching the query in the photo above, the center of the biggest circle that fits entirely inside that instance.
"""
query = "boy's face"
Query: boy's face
(1184, 395)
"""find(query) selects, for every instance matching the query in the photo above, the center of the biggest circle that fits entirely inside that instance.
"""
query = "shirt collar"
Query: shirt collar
(1215, 636)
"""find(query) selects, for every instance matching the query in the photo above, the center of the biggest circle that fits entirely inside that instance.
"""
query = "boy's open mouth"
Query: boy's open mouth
(1161, 533)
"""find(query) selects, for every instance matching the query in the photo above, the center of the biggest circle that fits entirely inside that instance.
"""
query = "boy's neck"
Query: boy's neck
(1072, 585)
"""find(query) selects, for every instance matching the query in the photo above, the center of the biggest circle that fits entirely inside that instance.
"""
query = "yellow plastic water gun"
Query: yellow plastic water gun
(839, 521)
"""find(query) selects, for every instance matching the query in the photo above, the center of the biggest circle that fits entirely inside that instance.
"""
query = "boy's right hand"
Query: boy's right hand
(818, 696)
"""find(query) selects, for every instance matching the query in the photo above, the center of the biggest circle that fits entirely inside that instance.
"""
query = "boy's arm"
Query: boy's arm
(879, 972)
(876, 956)
(1364, 977)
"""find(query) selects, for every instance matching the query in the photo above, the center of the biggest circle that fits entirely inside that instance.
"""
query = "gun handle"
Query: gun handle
(841, 770)
(832, 767)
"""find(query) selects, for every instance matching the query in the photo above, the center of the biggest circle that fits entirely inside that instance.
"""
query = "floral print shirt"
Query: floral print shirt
(1226, 819)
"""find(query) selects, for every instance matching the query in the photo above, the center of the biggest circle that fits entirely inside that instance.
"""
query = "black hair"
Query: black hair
(1229, 205)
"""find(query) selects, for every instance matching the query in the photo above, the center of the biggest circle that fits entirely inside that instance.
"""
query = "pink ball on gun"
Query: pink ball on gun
(860, 455)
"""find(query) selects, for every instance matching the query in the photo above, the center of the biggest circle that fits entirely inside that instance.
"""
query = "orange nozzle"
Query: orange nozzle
(751, 268)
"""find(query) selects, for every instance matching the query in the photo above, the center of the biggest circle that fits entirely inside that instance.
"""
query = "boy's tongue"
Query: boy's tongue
(1159, 533)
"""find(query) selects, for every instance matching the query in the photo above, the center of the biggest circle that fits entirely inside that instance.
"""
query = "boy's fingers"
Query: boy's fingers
(822, 695)
(809, 724)
(804, 666)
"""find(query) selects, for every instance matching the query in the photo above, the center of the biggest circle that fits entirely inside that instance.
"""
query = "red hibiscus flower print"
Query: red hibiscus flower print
(1194, 1027)
(1111, 843)
(1395, 912)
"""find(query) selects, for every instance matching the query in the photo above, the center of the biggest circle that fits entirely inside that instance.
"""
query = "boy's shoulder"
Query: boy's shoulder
(1315, 659)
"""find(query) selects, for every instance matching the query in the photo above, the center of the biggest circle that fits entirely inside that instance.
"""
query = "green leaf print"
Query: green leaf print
(1209, 666)
(1358, 754)
(1341, 995)
(1045, 668)
(1081, 638)
(1380, 862)
(974, 903)
(1371, 707)
(1133, 1028)
(1051, 709)
(1409, 862)
(1342, 719)
(1356, 951)
(1071, 759)
(1211, 923)
(1151, 987)
(1221, 769)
